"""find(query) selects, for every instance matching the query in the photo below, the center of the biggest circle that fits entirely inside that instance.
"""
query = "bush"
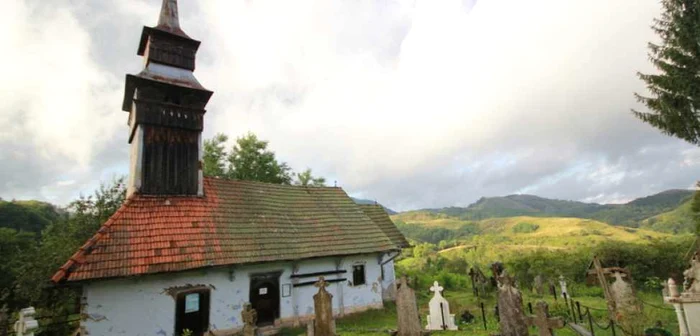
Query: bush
(524, 227)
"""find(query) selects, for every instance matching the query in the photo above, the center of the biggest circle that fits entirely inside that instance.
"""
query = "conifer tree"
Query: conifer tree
(675, 89)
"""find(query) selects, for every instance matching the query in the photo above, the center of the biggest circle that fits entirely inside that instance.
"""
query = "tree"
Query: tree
(214, 155)
(695, 206)
(251, 160)
(306, 179)
(676, 89)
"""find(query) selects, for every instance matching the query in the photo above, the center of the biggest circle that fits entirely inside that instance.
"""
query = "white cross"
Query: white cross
(436, 288)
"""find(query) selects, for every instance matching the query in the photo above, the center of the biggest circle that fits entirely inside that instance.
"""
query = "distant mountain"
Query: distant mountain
(31, 216)
(366, 201)
(629, 214)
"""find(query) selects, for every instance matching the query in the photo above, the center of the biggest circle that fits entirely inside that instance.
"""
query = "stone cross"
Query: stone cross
(26, 324)
(543, 322)
(562, 284)
(323, 310)
(250, 319)
(538, 287)
(440, 317)
(510, 308)
(407, 310)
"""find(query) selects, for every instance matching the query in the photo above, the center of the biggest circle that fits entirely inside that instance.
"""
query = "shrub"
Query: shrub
(524, 227)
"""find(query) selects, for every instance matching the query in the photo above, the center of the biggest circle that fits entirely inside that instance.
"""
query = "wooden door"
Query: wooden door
(265, 297)
(192, 312)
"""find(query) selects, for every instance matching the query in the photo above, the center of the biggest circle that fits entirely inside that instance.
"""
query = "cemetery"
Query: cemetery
(196, 239)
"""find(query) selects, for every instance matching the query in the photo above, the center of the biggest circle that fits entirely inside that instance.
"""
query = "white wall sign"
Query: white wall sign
(192, 303)
(262, 291)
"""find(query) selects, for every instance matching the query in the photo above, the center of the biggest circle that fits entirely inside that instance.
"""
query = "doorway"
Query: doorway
(265, 297)
(192, 312)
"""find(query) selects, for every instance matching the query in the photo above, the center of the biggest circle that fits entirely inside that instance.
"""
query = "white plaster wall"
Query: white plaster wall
(141, 306)
(135, 163)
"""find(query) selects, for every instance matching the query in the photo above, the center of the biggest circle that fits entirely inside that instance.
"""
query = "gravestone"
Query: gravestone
(562, 285)
(250, 320)
(623, 294)
(543, 322)
(440, 317)
(538, 286)
(407, 310)
(510, 308)
(687, 302)
(26, 325)
(324, 325)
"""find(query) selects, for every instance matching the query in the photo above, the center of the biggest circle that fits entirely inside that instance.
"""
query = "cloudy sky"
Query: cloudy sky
(414, 103)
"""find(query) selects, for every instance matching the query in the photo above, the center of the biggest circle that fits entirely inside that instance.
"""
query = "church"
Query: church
(186, 251)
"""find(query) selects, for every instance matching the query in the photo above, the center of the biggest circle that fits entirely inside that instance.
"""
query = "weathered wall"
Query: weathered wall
(142, 306)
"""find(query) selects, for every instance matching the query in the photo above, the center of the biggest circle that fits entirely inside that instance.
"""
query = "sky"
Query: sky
(413, 103)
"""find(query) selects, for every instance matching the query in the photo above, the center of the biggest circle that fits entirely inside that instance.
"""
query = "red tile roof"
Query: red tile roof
(235, 222)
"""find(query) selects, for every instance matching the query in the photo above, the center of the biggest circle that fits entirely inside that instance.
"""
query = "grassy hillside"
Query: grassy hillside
(678, 220)
(629, 214)
(516, 232)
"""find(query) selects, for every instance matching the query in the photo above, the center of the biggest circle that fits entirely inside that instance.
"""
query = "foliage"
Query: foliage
(27, 268)
(675, 89)
(32, 216)
(251, 160)
(679, 220)
(525, 227)
(307, 180)
(695, 207)
(215, 156)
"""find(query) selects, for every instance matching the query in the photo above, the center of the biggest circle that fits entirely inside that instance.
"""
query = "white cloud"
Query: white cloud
(414, 102)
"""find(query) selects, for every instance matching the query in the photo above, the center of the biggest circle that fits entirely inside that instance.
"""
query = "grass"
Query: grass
(380, 321)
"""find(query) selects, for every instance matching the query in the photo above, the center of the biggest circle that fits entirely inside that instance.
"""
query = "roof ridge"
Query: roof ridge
(271, 184)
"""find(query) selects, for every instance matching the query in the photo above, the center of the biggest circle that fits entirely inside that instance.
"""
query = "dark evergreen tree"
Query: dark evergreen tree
(675, 89)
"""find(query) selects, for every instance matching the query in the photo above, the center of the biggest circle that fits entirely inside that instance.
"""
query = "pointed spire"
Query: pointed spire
(169, 19)
(169, 16)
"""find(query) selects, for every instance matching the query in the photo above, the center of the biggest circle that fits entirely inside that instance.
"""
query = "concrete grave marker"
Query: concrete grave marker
(623, 294)
(687, 303)
(26, 325)
(440, 317)
(324, 325)
(407, 310)
(510, 308)
(543, 322)
(538, 286)
(250, 320)
(562, 285)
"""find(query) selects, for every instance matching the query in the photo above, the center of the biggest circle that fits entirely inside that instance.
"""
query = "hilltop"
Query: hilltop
(630, 214)
(30, 216)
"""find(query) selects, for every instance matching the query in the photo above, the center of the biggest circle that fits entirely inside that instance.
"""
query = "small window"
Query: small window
(358, 275)
(192, 311)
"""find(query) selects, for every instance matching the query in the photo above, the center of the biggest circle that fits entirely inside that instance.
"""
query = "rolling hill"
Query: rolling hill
(678, 220)
(517, 232)
(629, 214)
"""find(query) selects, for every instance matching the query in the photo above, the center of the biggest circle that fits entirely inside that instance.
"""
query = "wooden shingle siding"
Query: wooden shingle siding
(236, 222)
(170, 161)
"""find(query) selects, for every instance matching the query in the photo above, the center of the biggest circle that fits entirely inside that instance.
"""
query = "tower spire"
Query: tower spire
(169, 19)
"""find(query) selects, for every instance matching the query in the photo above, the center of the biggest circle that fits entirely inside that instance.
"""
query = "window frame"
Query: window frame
(355, 271)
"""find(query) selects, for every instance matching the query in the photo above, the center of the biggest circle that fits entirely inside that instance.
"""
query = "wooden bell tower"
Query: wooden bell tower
(166, 106)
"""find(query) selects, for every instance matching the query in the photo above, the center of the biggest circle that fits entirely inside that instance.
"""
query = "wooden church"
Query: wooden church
(187, 252)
